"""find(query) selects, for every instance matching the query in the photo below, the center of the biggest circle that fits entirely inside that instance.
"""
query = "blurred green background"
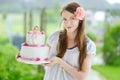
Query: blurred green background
(19, 16)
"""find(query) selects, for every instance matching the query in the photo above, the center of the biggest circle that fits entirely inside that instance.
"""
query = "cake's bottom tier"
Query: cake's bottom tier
(31, 60)
(34, 53)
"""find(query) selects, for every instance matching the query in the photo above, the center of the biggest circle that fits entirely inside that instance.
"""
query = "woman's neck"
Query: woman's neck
(71, 40)
(71, 36)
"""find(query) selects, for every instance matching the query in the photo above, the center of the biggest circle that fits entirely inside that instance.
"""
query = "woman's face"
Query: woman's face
(69, 21)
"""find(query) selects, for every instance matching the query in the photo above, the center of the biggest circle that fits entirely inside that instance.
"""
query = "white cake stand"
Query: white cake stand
(19, 59)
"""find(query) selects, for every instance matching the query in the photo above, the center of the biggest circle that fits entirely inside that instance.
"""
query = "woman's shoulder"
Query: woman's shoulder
(91, 47)
(89, 41)
(56, 32)
(54, 36)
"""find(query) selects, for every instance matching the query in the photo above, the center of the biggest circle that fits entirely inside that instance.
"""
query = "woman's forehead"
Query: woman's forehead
(66, 13)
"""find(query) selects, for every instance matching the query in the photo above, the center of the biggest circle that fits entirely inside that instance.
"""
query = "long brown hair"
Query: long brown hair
(80, 37)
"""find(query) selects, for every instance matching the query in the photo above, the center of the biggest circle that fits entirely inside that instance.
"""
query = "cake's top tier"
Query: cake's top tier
(35, 37)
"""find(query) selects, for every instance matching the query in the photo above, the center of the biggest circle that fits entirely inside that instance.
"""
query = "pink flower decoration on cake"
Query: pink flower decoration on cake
(79, 13)
(37, 59)
(42, 32)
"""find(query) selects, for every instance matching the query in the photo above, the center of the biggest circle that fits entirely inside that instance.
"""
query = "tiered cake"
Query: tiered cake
(34, 51)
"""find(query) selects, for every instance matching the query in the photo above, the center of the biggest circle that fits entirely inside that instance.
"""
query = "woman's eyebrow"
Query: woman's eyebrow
(72, 17)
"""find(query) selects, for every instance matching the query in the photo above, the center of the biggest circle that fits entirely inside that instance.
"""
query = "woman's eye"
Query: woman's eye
(64, 19)
(73, 18)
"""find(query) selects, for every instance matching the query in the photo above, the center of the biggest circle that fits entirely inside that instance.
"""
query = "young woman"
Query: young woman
(71, 51)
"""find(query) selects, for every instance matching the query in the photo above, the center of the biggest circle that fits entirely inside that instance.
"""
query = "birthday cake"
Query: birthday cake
(34, 51)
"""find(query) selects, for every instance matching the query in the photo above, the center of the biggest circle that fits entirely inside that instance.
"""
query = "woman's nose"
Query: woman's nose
(68, 22)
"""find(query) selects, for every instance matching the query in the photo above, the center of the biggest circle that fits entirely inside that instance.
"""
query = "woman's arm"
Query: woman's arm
(77, 75)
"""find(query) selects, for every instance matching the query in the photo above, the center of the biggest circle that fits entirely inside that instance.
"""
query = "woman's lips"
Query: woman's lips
(69, 27)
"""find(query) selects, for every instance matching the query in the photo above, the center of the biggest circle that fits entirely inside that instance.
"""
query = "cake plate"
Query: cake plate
(34, 62)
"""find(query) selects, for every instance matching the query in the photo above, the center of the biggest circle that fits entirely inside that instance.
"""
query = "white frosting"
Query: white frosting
(35, 38)
(34, 52)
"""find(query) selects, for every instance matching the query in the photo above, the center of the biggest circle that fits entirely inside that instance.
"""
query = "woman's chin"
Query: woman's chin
(70, 31)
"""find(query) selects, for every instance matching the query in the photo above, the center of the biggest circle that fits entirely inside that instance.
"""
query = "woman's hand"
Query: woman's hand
(53, 61)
